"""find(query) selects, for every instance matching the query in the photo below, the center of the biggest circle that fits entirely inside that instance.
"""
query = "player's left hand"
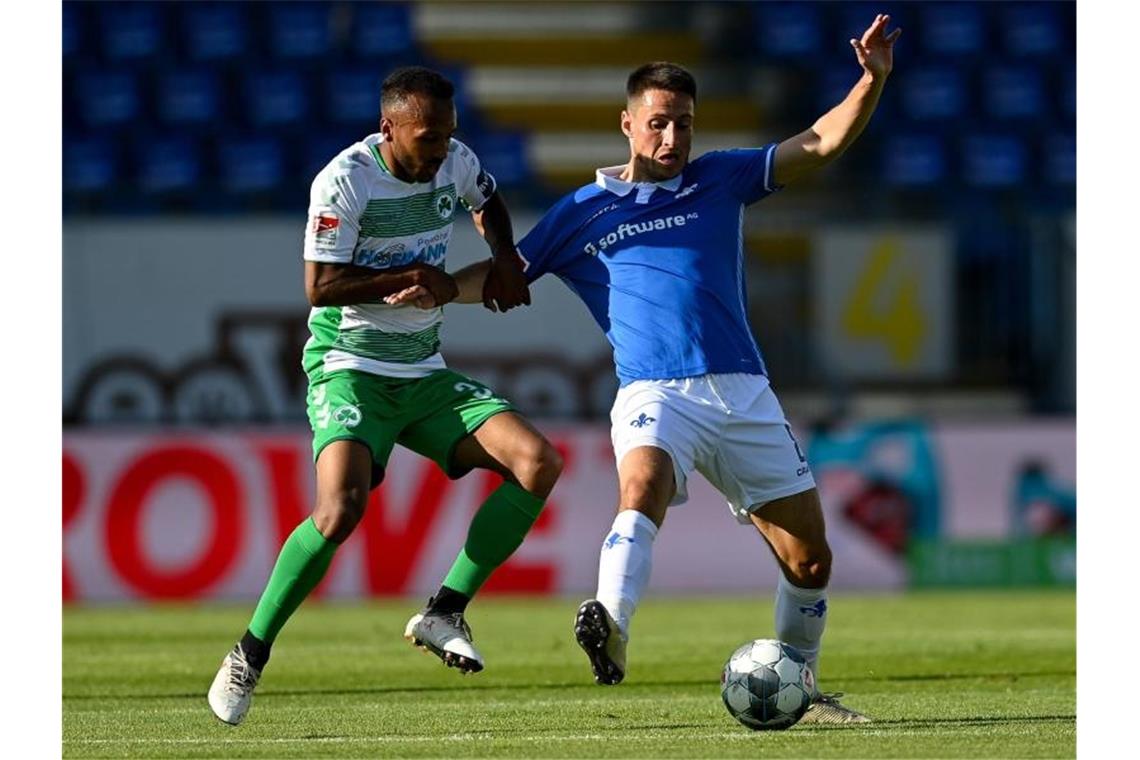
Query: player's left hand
(416, 295)
(505, 285)
(875, 50)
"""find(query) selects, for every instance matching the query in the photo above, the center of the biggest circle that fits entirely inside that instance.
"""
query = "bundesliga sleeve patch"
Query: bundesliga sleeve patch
(324, 228)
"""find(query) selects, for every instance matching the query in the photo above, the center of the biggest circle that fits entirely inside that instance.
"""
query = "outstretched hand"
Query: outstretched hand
(875, 50)
(416, 295)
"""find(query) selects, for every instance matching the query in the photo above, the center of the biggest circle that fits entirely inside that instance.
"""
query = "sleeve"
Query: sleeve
(335, 208)
(473, 184)
(545, 248)
(748, 172)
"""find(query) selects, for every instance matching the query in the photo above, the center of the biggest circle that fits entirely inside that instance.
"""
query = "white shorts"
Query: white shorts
(730, 428)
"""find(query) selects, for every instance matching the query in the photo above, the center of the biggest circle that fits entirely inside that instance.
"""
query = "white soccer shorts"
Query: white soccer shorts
(730, 428)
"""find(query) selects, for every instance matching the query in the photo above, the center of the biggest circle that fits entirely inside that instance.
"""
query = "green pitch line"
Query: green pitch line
(944, 675)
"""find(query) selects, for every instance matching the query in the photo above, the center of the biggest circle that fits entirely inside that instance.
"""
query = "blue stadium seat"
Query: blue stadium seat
(504, 155)
(1033, 29)
(74, 25)
(993, 161)
(914, 161)
(215, 31)
(276, 98)
(317, 151)
(91, 165)
(107, 98)
(787, 29)
(1068, 93)
(251, 164)
(956, 29)
(1014, 93)
(1060, 159)
(301, 30)
(131, 31)
(382, 30)
(933, 93)
(168, 164)
(188, 97)
(353, 97)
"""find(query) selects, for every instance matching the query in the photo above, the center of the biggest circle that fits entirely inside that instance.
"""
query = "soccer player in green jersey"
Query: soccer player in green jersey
(380, 219)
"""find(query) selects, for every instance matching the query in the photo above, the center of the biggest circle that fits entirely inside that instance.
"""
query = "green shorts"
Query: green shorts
(429, 415)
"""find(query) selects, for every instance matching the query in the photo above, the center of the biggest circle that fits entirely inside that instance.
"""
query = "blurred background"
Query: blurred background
(915, 301)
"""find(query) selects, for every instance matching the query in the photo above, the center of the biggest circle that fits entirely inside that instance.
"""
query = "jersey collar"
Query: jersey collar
(607, 179)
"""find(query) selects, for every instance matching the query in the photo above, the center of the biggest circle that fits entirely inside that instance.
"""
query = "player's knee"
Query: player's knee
(811, 569)
(538, 468)
(338, 514)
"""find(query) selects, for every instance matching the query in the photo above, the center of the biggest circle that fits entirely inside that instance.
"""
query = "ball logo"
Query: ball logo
(444, 206)
(347, 415)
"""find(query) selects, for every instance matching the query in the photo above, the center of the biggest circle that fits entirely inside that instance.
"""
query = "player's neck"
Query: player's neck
(637, 171)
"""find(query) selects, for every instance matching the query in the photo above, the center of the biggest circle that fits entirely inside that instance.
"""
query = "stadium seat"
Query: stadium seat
(168, 164)
(131, 31)
(74, 29)
(504, 155)
(317, 151)
(1068, 93)
(1060, 159)
(952, 29)
(353, 97)
(215, 31)
(90, 165)
(251, 164)
(787, 29)
(1033, 29)
(933, 93)
(382, 30)
(914, 161)
(993, 161)
(1013, 93)
(107, 98)
(275, 98)
(300, 30)
(189, 98)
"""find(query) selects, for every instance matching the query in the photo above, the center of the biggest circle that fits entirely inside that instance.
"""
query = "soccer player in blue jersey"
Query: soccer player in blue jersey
(654, 248)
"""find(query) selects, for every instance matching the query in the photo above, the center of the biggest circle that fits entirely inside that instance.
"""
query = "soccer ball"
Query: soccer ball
(767, 685)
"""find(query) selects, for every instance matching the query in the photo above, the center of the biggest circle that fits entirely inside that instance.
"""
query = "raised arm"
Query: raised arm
(834, 132)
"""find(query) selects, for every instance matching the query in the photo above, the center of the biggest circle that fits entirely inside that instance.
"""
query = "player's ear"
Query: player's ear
(626, 124)
(386, 127)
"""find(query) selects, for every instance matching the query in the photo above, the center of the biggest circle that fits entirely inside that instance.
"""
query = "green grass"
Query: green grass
(944, 675)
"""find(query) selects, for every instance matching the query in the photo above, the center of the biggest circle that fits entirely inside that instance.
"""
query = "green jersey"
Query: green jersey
(359, 213)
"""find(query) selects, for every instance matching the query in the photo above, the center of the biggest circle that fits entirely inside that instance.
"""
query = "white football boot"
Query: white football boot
(447, 636)
(825, 708)
(232, 691)
(602, 641)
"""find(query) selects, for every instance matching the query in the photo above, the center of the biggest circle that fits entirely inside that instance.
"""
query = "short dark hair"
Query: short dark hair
(414, 80)
(661, 75)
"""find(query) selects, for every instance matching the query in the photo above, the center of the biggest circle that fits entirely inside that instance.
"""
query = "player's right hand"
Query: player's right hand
(417, 295)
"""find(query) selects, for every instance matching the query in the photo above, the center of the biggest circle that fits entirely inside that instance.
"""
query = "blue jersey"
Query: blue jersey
(661, 266)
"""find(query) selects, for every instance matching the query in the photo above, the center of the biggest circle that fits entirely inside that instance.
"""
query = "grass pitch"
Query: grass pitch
(942, 674)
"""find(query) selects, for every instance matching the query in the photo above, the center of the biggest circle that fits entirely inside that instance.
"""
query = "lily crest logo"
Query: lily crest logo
(643, 420)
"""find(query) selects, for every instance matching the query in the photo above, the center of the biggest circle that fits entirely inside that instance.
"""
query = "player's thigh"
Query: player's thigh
(758, 459)
(658, 416)
(353, 407)
(510, 445)
(452, 407)
(647, 482)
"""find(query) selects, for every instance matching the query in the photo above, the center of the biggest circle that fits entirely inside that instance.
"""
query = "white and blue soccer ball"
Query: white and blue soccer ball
(767, 685)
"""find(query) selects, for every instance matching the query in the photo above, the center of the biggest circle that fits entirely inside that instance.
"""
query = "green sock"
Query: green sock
(300, 566)
(498, 529)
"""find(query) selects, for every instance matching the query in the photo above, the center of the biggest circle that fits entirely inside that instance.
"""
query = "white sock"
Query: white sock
(801, 614)
(624, 564)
